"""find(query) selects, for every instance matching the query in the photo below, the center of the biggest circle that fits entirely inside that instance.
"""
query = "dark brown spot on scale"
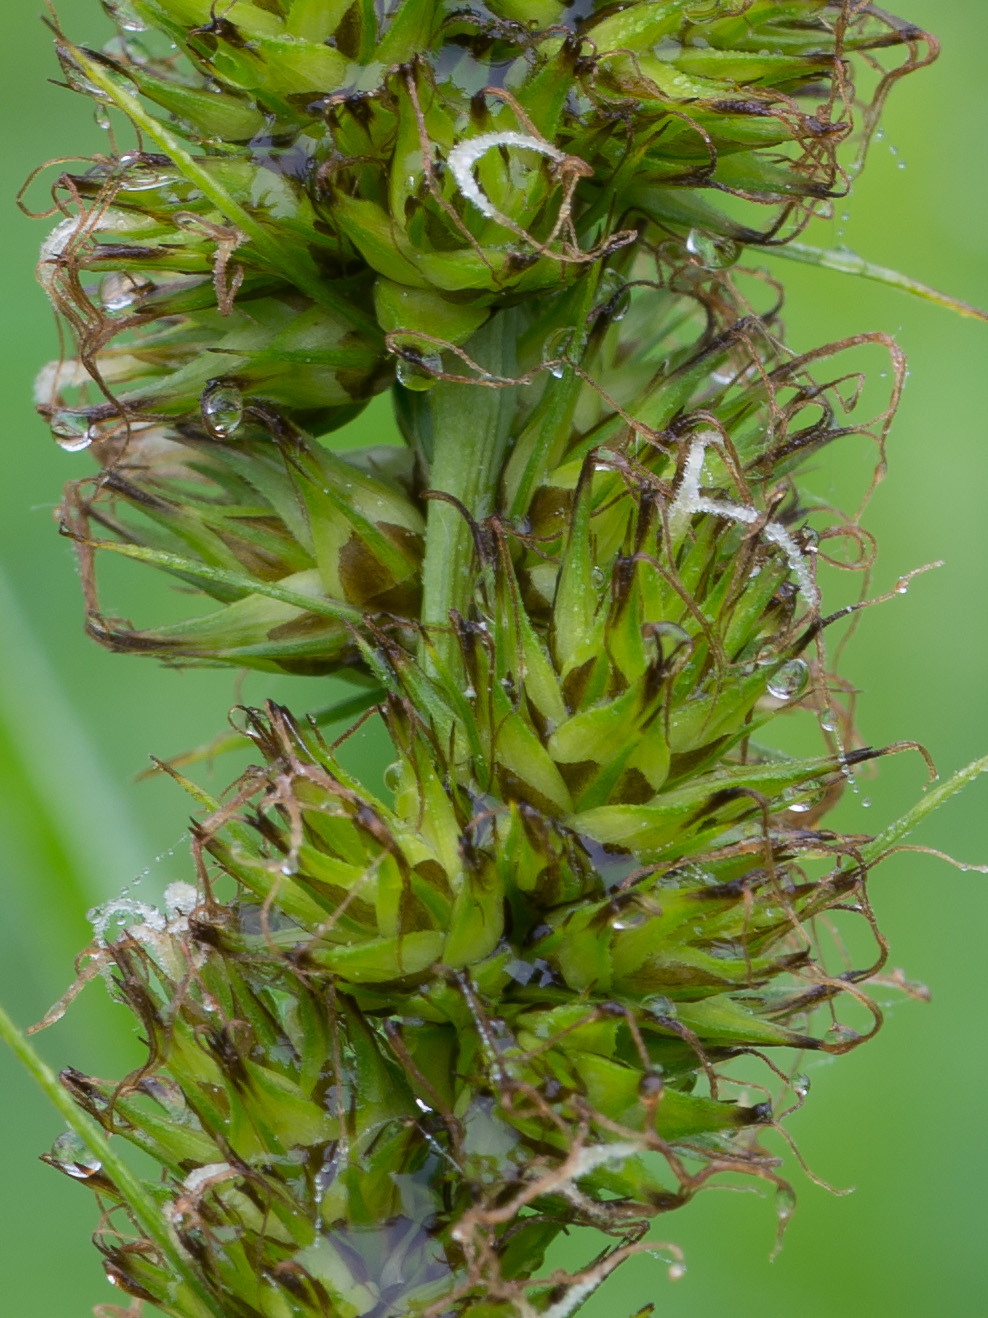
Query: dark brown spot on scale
(633, 788)
(578, 775)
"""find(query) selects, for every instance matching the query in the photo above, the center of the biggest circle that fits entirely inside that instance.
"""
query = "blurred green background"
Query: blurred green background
(902, 1120)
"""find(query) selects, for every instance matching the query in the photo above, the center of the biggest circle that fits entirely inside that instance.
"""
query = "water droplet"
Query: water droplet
(866, 802)
(127, 51)
(712, 253)
(616, 293)
(598, 577)
(801, 1085)
(802, 798)
(72, 430)
(628, 920)
(829, 720)
(790, 680)
(125, 17)
(393, 776)
(700, 245)
(785, 1203)
(118, 291)
(677, 1271)
(559, 349)
(901, 586)
(102, 117)
(138, 175)
(843, 1033)
(418, 370)
(76, 78)
(222, 408)
(71, 1156)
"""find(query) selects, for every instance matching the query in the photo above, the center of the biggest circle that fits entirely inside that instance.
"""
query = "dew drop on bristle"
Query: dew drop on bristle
(222, 408)
(125, 16)
(701, 246)
(71, 1156)
(77, 80)
(118, 291)
(71, 430)
(712, 253)
(617, 295)
(790, 680)
(392, 776)
(829, 720)
(419, 371)
(628, 920)
(139, 175)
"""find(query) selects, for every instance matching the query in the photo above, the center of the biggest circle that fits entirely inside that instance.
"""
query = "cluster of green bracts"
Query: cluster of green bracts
(397, 1046)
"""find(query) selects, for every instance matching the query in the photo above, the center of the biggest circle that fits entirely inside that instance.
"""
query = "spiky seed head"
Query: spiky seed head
(397, 1045)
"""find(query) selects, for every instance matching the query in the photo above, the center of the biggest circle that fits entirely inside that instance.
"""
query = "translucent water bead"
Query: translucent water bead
(222, 409)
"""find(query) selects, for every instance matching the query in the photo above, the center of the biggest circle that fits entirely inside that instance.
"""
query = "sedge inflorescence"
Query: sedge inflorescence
(399, 1043)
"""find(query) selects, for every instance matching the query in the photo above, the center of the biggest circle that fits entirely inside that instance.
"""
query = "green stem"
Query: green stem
(463, 432)
(134, 1193)
(849, 263)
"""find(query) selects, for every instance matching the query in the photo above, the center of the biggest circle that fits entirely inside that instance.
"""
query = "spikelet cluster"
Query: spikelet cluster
(398, 1044)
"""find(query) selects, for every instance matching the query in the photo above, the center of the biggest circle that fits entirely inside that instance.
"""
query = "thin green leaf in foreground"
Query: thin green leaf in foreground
(135, 1194)
(849, 263)
(931, 800)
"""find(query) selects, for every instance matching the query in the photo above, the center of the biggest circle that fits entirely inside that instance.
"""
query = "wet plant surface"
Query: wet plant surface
(397, 1046)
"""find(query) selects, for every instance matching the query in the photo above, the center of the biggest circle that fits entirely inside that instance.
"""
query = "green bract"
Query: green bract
(399, 1044)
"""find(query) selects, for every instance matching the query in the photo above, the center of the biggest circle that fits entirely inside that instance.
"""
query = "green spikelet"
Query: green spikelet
(398, 1045)
(295, 543)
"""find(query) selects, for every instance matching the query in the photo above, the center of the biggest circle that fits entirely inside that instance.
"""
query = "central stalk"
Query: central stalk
(462, 432)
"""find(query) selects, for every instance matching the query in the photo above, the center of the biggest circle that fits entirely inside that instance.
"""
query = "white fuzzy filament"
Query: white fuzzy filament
(689, 500)
(464, 157)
